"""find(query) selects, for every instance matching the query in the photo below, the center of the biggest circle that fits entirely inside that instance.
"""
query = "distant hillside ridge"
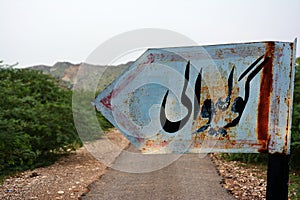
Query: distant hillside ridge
(67, 73)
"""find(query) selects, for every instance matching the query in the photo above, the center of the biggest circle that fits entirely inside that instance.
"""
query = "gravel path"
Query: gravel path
(67, 179)
(187, 178)
(241, 180)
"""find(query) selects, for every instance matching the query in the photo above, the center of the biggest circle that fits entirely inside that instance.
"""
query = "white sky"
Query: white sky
(44, 32)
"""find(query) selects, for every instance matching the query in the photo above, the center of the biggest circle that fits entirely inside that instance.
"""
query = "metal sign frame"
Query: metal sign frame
(192, 87)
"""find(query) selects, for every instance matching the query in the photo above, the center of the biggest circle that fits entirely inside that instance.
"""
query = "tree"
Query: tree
(36, 119)
(295, 157)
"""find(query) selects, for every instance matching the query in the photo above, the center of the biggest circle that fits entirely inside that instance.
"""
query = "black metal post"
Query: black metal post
(278, 177)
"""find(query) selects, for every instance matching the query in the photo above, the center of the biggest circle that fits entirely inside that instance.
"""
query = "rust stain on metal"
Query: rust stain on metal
(264, 100)
(285, 143)
(155, 144)
(244, 99)
(106, 101)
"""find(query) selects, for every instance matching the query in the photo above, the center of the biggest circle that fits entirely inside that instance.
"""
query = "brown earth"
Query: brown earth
(242, 181)
(67, 179)
(70, 177)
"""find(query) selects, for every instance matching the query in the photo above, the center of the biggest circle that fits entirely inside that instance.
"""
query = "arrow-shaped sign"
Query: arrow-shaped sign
(220, 98)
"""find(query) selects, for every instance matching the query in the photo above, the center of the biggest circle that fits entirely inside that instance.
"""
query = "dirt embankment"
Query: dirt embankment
(67, 179)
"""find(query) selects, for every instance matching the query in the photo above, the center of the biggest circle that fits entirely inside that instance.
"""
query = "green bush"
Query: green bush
(247, 157)
(36, 120)
(89, 123)
(295, 145)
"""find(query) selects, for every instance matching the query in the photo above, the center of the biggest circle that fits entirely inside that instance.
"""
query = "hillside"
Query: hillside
(67, 72)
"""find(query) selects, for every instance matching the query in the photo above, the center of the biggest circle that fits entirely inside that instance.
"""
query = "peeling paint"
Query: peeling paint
(242, 104)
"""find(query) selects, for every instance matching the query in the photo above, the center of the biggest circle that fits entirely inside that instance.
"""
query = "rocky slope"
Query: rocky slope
(68, 72)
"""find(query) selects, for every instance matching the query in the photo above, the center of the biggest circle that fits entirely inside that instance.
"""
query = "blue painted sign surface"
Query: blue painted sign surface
(219, 98)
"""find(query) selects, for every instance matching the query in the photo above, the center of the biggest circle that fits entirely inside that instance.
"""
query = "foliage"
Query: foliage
(294, 185)
(90, 124)
(295, 145)
(246, 157)
(36, 120)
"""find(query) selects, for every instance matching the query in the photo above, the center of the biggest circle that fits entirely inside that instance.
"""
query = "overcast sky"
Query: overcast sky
(44, 32)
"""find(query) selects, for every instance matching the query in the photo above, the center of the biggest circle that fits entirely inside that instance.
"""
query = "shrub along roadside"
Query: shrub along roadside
(36, 122)
(89, 123)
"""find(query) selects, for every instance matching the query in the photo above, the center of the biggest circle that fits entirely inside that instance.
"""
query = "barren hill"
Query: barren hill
(68, 72)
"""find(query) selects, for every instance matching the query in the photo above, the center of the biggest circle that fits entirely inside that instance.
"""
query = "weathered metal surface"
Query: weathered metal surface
(221, 98)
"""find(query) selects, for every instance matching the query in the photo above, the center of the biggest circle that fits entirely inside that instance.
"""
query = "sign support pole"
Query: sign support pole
(278, 177)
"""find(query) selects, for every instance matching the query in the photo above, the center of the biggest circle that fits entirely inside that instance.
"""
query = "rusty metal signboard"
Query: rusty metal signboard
(219, 98)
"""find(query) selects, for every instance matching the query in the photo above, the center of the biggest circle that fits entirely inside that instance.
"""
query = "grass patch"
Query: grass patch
(294, 185)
